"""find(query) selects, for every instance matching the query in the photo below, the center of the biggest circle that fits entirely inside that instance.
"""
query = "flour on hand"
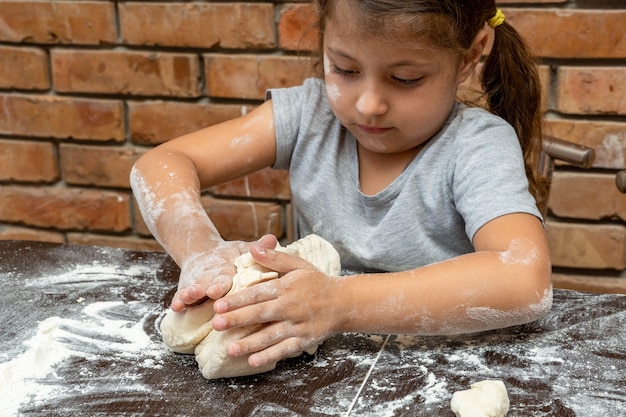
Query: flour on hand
(483, 399)
(191, 331)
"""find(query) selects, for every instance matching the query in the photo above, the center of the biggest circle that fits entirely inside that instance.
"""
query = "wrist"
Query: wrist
(344, 304)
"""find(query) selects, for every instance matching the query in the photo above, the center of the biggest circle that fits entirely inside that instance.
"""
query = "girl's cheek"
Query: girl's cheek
(333, 93)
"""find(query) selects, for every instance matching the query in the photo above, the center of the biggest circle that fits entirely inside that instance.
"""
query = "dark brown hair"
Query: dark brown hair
(509, 77)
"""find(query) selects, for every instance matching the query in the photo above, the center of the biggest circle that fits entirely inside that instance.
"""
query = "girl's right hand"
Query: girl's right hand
(209, 274)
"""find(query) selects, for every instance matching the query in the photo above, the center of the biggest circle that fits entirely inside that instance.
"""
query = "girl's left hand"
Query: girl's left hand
(299, 310)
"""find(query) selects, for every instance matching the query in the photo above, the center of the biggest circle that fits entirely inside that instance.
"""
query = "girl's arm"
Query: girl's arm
(505, 282)
(167, 181)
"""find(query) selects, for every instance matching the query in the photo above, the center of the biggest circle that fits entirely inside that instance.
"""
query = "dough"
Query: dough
(483, 399)
(182, 332)
(190, 331)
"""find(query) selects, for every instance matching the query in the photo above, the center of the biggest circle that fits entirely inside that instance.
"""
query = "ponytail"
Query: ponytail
(511, 83)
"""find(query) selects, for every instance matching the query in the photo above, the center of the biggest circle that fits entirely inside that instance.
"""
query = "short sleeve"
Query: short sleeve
(489, 176)
(293, 110)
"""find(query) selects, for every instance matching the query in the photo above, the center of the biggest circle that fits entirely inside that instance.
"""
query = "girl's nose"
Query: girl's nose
(371, 102)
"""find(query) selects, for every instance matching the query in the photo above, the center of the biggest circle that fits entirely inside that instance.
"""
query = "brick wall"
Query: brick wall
(87, 86)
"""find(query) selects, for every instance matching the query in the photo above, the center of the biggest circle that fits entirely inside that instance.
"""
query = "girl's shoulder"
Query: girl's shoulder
(470, 126)
(474, 117)
(302, 101)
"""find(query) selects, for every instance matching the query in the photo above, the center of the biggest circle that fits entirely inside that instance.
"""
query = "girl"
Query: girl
(426, 199)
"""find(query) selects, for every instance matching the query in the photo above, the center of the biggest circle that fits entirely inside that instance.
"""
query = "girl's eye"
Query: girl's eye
(345, 73)
(407, 83)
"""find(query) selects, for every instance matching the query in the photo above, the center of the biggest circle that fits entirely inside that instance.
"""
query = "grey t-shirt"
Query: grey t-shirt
(469, 173)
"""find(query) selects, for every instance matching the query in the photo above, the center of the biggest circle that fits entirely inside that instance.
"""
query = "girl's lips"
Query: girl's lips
(372, 130)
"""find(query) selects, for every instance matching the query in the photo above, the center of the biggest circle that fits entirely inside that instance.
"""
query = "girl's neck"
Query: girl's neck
(378, 170)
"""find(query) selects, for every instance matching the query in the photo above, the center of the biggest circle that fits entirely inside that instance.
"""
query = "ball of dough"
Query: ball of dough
(483, 399)
(190, 331)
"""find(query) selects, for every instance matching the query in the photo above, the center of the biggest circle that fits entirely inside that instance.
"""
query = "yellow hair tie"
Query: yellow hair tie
(496, 20)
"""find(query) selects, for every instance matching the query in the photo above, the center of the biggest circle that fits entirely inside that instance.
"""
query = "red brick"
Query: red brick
(65, 209)
(230, 26)
(25, 233)
(570, 33)
(592, 90)
(590, 283)
(28, 161)
(267, 183)
(608, 139)
(240, 220)
(126, 72)
(597, 246)
(33, 68)
(61, 117)
(102, 166)
(591, 196)
(154, 122)
(139, 224)
(57, 22)
(124, 242)
(297, 29)
(248, 76)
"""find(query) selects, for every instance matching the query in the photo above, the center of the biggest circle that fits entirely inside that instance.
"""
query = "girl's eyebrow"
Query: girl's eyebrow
(338, 52)
(401, 63)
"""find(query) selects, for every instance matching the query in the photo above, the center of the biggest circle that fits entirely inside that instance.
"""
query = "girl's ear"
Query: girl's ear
(470, 60)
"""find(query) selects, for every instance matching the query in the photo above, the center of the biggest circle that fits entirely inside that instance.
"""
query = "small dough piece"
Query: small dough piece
(484, 399)
(190, 331)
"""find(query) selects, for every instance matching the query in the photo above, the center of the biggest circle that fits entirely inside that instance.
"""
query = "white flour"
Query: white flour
(18, 376)
(58, 339)
(95, 273)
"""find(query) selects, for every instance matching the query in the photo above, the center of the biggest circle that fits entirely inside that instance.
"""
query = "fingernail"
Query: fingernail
(254, 362)
(219, 306)
(234, 349)
(218, 323)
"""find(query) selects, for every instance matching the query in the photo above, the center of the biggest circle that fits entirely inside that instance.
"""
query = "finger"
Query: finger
(268, 241)
(255, 342)
(241, 318)
(191, 294)
(218, 289)
(186, 297)
(214, 289)
(177, 305)
(183, 295)
(274, 352)
(280, 262)
(269, 335)
(254, 295)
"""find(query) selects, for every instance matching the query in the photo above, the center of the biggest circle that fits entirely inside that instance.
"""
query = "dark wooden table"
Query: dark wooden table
(80, 338)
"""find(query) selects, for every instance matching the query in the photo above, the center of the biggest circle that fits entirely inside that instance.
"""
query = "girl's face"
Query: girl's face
(392, 97)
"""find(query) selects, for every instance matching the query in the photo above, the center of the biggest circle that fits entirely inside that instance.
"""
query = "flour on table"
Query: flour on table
(190, 331)
(483, 399)
(103, 330)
